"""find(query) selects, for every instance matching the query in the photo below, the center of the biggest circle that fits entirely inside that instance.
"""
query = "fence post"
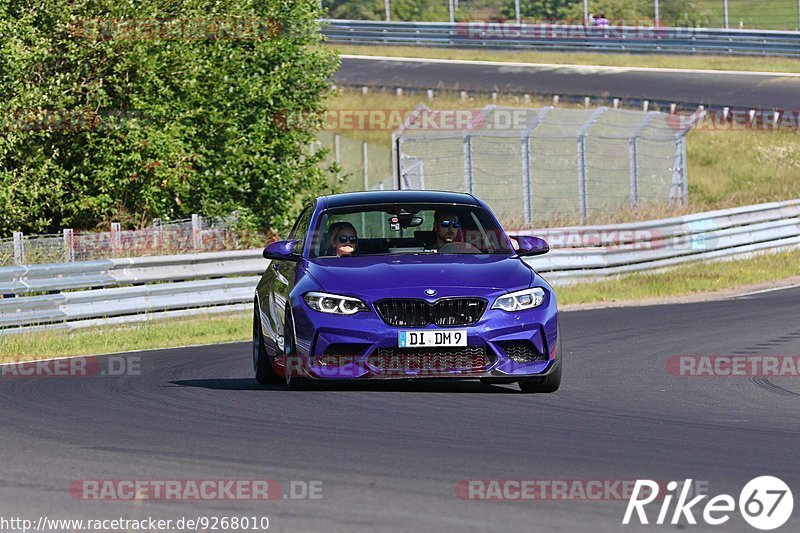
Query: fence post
(582, 186)
(684, 180)
(468, 163)
(196, 227)
(527, 177)
(336, 149)
(69, 245)
(676, 189)
(396, 162)
(725, 9)
(19, 248)
(633, 142)
(116, 240)
(157, 237)
(365, 158)
(525, 146)
(634, 170)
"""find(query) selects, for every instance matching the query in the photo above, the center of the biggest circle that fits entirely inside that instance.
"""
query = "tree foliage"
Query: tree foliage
(401, 10)
(98, 127)
(540, 9)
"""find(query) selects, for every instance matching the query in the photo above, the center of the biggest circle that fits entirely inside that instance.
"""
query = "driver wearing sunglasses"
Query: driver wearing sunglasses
(446, 227)
(344, 239)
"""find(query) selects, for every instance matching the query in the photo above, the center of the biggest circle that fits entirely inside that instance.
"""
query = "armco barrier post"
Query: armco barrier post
(19, 248)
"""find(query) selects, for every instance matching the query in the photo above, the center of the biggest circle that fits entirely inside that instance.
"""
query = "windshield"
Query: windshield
(407, 229)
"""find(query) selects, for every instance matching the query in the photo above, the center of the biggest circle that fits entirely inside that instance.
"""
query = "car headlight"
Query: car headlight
(520, 300)
(333, 303)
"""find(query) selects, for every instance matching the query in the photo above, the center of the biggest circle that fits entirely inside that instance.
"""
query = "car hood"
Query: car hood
(392, 274)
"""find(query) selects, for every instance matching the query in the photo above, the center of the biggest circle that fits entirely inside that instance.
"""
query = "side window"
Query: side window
(300, 229)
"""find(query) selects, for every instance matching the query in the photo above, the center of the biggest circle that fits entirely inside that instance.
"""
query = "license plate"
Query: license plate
(452, 337)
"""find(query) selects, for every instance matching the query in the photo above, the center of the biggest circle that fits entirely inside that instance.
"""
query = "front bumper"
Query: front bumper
(362, 346)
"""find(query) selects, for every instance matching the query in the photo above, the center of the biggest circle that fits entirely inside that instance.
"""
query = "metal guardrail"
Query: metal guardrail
(555, 37)
(72, 295)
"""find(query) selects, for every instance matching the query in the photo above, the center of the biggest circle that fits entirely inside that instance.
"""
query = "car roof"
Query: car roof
(349, 199)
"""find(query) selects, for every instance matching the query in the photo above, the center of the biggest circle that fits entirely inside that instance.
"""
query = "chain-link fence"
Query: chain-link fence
(365, 165)
(535, 166)
(197, 234)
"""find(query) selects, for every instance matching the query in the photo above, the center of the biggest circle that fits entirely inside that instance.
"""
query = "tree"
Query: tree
(401, 10)
(540, 9)
(133, 109)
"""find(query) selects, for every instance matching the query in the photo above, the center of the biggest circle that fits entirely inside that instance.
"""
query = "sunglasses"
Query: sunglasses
(345, 238)
(447, 223)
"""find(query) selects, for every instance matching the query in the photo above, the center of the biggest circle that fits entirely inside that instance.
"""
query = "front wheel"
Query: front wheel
(293, 382)
(262, 362)
(549, 383)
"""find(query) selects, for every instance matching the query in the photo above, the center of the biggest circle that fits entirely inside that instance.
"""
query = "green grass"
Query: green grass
(686, 280)
(773, 64)
(753, 14)
(148, 335)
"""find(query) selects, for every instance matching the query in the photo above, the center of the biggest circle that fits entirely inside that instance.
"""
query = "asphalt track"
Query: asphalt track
(688, 88)
(389, 456)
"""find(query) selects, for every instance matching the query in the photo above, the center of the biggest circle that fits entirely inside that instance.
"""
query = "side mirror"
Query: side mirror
(282, 251)
(529, 246)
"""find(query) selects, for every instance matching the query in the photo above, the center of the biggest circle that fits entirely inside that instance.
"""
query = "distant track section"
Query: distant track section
(740, 90)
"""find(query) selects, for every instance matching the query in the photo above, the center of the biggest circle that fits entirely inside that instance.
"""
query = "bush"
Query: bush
(108, 119)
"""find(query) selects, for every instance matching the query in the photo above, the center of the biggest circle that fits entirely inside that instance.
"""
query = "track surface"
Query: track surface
(739, 91)
(389, 456)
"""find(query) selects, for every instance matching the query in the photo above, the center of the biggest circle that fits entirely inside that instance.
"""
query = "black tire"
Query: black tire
(262, 362)
(549, 383)
(289, 350)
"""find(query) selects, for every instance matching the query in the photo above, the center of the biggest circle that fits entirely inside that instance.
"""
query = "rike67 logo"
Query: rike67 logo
(765, 503)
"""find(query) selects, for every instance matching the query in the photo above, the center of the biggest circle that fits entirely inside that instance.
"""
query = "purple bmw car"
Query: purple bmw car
(404, 285)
